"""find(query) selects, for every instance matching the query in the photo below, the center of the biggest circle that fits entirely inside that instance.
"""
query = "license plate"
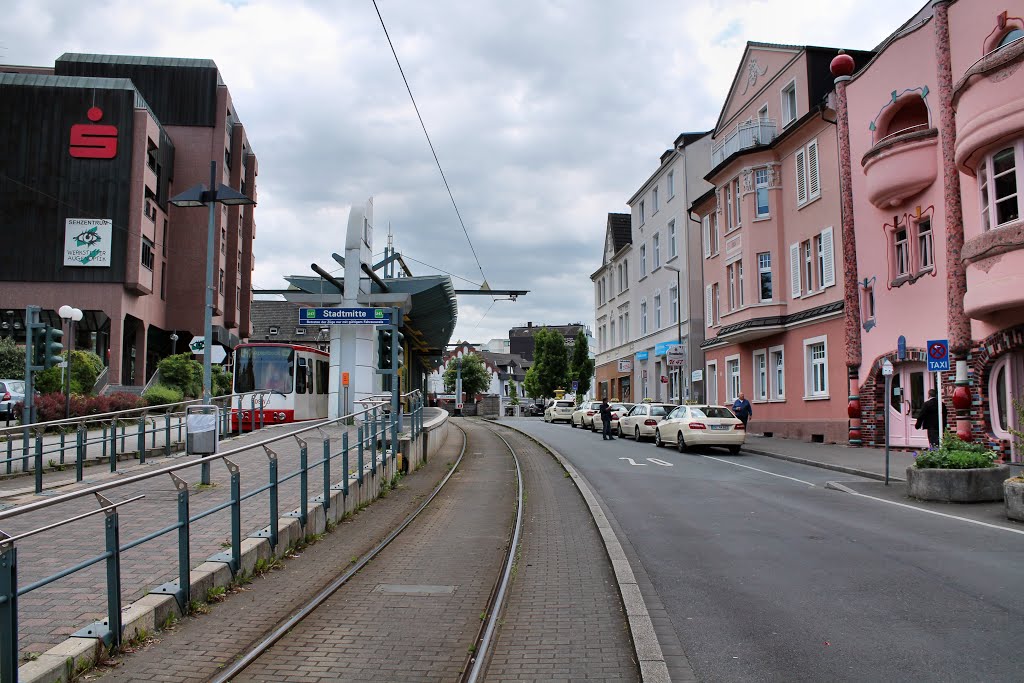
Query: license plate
(720, 428)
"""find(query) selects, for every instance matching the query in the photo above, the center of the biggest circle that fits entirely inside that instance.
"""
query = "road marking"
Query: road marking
(781, 476)
(656, 461)
(632, 462)
(839, 487)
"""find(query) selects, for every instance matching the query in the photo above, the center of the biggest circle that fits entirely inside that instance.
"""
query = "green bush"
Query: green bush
(956, 454)
(161, 395)
(83, 375)
(12, 359)
(220, 379)
(183, 373)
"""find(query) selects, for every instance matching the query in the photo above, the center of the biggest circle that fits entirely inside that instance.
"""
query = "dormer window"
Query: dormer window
(273, 330)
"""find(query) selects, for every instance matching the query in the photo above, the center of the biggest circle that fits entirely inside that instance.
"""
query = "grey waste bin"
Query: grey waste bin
(202, 435)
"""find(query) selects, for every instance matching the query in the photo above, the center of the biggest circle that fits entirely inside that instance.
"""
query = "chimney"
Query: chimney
(529, 324)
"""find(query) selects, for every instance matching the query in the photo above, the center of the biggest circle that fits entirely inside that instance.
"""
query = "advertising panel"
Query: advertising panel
(87, 242)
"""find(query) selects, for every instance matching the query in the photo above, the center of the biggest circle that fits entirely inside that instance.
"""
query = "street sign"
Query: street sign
(696, 375)
(575, 385)
(197, 345)
(344, 316)
(901, 348)
(938, 355)
(344, 379)
(887, 368)
(218, 354)
(676, 356)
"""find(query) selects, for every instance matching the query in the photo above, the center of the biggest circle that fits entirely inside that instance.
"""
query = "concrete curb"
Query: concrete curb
(653, 668)
(822, 465)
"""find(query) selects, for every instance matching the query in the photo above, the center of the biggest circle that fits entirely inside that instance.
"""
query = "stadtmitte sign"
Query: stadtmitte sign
(87, 242)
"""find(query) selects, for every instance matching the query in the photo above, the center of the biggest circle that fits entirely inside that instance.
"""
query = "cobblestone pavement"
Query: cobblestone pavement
(199, 647)
(413, 614)
(564, 620)
(49, 614)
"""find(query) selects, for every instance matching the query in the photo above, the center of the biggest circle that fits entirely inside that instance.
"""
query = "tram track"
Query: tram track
(475, 661)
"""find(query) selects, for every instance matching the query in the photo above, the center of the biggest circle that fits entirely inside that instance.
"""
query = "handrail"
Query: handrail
(63, 498)
(11, 539)
(902, 131)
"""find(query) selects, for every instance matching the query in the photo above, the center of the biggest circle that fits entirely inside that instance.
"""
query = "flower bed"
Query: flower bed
(956, 472)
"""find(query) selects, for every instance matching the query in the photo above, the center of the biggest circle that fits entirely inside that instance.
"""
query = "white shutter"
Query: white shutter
(794, 269)
(828, 252)
(706, 224)
(708, 312)
(801, 177)
(813, 179)
(717, 243)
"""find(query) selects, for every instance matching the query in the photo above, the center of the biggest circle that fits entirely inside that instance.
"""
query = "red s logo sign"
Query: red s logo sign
(92, 140)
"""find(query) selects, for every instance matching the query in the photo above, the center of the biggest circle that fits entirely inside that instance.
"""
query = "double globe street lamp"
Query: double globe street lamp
(71, 315)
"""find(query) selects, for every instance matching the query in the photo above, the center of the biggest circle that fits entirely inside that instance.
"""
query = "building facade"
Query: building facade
(773, 297)
(86, 189)
(935, 150)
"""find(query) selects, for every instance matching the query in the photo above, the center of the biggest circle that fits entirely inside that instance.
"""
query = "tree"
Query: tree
(12, 359)
(530, 383)
(83, 375)
(582, 367)
(475, 377)
(551, 361)
(513, 395)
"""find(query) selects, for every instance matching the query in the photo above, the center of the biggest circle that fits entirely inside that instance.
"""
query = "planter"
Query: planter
(1013, 494)
(981, 485)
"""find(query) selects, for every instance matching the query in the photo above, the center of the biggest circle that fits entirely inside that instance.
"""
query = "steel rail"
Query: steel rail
(288, 624)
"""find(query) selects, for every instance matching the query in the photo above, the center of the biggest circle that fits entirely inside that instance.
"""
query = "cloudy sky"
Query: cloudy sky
(545, 114)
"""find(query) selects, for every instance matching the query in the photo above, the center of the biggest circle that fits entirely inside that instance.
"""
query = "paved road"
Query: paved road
(768, 575)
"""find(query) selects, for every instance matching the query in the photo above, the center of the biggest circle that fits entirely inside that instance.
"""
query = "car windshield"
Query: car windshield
(620, 407)
(711, 411)
(660, 411)
(16, 387)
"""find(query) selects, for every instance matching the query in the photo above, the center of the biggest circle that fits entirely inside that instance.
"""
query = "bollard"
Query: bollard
(327, 476)
(183, 594)
(303, 482)
(8, 611)
(236, 517)
(142, 439)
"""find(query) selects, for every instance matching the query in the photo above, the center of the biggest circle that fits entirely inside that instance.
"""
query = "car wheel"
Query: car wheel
(680, 443)
(657, 439)
(734, 450)
(572, 423)
(636, 433)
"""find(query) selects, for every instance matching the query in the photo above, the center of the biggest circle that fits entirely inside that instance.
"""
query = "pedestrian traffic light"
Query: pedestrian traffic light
(52, 347)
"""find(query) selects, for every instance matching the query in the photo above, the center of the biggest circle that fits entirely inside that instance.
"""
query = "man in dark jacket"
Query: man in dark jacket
(928, 418)
(606, 420)
(741, 406)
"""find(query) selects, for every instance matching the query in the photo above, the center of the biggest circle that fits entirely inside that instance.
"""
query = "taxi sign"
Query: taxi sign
(938, 355)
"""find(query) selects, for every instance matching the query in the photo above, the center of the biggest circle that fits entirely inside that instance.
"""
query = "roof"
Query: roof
(137, 60)
(267, 314)
(620, 226)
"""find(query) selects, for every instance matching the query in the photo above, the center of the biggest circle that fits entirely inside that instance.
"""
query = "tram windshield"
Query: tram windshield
(265, 367)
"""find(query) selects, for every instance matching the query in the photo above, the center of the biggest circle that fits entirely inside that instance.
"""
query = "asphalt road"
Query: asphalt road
(768, 576)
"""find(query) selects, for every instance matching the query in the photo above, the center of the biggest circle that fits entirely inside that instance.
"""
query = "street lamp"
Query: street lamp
(679, 327)
(200, 196)
(71, 315)
(174, 342)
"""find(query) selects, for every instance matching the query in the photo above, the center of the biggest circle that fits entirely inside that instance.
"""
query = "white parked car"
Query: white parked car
(642, 420)
(619, 410)
(559, 410)
(584, 415)
(690, 426)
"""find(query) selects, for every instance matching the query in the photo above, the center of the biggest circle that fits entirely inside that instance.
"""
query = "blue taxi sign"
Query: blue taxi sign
(938, 355)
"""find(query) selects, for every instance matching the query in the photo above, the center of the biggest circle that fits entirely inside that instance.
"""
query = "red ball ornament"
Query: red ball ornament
(963, 431)
(842, 65)
(94, 114)
(853, 409)
(961, 398)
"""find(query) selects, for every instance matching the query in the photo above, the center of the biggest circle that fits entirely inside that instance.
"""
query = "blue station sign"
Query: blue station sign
(344, 316)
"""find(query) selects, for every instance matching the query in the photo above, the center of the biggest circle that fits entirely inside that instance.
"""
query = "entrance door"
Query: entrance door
(910, 385)
(711, 382)
(1005, 389)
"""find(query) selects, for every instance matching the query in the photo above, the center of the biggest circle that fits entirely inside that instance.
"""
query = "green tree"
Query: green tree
(551, 361)
(83, 375)
(475, 377)
(513, 395)
(12, 359)
(182, 372)
(581, 369)
(530, 383)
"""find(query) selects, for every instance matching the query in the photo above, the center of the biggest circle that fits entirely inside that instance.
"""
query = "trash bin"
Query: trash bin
(201, 425)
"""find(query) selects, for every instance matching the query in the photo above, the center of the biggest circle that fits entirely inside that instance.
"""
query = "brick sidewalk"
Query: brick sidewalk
(866, 462)
(199, 647)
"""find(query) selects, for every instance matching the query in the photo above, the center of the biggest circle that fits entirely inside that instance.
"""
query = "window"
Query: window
(163, 282)
(728, 208)
(221, 280)
(739, 281)
(671, 184)
(736, 198)
(273, 330)
(925, 252)
(147, 253)
(163, 239)
(808, 179)
(300, 331)
(711, 381)
(778, 368)
(718, 306)
(625, 327)
(997, 182)
(820, 244)
(223, 240)
(611, 334)
(760, 376)
(625, 272)
(733, 386)
(643, 317)
(867, 303)
(656, 250)
(808, 267)
(673, 301)
(815, 368)
(238, 298)
(622, 283)
(789, 103)
(643, 260)
(762, 113)
(622, 330)
(764, 276)
(654, 200)
(657, 312)
(705, 224)
(1011, 36)
(761, 184)
(673, 249)
(643, 213)
(902, 253)
(731, 275)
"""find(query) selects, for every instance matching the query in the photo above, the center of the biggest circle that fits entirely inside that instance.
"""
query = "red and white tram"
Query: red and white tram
(296, 377)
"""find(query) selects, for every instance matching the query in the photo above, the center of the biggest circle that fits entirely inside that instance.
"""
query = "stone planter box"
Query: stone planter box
(1013, 494)
(981, 485)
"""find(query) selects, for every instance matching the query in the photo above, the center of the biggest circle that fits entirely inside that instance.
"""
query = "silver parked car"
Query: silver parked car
(12, 392)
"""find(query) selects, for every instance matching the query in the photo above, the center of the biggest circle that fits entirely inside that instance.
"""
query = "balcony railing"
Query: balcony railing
(745, 135)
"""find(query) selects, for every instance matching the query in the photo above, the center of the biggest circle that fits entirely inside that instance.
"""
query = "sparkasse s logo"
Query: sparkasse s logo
(93, 140)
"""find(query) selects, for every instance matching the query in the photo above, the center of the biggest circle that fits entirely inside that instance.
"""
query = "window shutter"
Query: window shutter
(829, 270)
(717, 243)
(801, 177)
(708, 312)
(706, 224)
(794, 269)
(813, 179)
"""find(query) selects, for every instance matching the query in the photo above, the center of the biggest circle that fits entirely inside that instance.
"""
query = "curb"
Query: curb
(653, 668)
(822, 465)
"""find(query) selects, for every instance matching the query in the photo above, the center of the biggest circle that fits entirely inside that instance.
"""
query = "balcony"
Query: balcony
(744, 136)
(901, 165)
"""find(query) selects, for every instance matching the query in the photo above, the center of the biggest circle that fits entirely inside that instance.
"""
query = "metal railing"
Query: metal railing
(745, 135)
(59, 442)
(373, 429)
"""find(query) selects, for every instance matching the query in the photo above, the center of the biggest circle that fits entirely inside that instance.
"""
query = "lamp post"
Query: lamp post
(174, 342)
(71, 315)
(200, 196)
(679, 327)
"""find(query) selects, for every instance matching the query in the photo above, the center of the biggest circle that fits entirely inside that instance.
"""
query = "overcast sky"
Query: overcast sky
(545, 114)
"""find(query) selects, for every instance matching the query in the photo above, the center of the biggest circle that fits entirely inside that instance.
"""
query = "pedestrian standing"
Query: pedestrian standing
(741, 406)
(606, 421)
(928, 418)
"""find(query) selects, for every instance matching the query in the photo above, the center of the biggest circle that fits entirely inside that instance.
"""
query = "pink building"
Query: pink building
(774, 296)
(932, 137)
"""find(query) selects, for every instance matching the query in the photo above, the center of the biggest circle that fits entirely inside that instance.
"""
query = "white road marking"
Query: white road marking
(844, 489)
(781, 476)
(632, 462)
(656, 461)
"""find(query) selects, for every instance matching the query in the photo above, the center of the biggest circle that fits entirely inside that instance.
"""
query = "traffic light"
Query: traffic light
(52, 347)
(384, 340)
(400, 342)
